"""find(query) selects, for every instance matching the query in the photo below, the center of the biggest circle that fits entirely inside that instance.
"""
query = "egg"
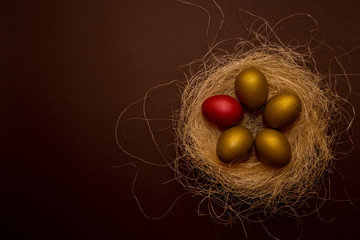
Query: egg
(282, 110)
(234, 144)
(273, 148)
(222, 110)
(251, 89)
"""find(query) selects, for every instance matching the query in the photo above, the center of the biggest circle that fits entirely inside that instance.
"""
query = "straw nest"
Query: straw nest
(242, 190)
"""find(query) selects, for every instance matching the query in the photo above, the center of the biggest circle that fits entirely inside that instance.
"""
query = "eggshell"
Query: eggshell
(234, 144)
(251, 89)
(273, 148)
(282, 110)
(222, 110)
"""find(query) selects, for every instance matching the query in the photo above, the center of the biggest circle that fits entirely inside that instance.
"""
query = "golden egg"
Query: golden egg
(251, 89)
(234, 144)
(282, 110)
(273, 148)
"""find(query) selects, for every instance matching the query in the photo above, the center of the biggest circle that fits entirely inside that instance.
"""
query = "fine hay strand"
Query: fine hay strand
(242, 190)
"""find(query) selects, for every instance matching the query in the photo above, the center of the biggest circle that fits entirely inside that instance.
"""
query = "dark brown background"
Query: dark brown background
(68, 68)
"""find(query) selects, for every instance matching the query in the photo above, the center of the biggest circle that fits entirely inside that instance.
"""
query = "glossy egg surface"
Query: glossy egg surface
(234, 144)
(282, 110)
(251, 89)
(222, 110)
(273, 148)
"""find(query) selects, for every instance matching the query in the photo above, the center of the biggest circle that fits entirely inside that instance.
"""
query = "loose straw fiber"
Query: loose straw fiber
(249, 187)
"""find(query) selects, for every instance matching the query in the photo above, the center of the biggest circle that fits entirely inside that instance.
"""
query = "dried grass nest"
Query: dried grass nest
(241, 191)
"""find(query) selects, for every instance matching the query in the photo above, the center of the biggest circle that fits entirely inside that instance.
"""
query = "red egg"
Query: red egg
(222, 110)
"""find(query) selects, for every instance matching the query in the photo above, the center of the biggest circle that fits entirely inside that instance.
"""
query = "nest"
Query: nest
(250, 190)
(242, 190)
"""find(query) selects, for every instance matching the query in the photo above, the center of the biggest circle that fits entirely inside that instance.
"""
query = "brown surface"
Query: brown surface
(68, 68)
